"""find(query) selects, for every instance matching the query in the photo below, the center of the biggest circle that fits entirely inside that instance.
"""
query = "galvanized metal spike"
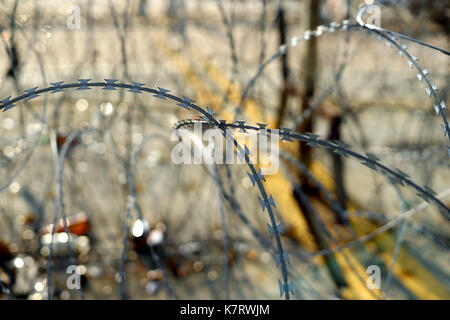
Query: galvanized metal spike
(185, 103)
(425, 72)
(341, 148)
(322, 28)
(424, 195)
(262, 129)
(283, 49)
(282, 288)
(285, 134)
(161, 94)
(410, 64)
(278, 227)
(110, 84)
(428, 92)
(262, 126)
(271, 230)
(307, 35)
(260, 176)
(443, 106)
(291, 287)
(429, 190)
(222, 123)
(419, 76)
(84, 84)
(435, 87)
(342, 144)
(8, 106)
(5, 102)
(241, 125)
(271, 202)
(389, 44)
(188, 100)
(283, 256)
(252, 178)
(401, 173)
(345, 24)
(136, 88)
(286, 288)
(262, 203)
(400, 53)
(57, 87)
(32, 93)
(372, 157)
(247, 152)
(294, 41)
(444, 129)
(396, 177)
(313, 142)
(437, 109)
(371, 161)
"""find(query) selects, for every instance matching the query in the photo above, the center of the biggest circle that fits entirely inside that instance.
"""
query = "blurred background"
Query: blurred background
(87, 180)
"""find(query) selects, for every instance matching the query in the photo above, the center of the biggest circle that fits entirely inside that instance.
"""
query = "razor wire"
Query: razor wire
(267, 201)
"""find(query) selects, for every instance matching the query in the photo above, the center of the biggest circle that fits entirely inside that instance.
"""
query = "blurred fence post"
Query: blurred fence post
(177, 15)
(309, 76)
(309, 69)
(338, 164)
(284, 68)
